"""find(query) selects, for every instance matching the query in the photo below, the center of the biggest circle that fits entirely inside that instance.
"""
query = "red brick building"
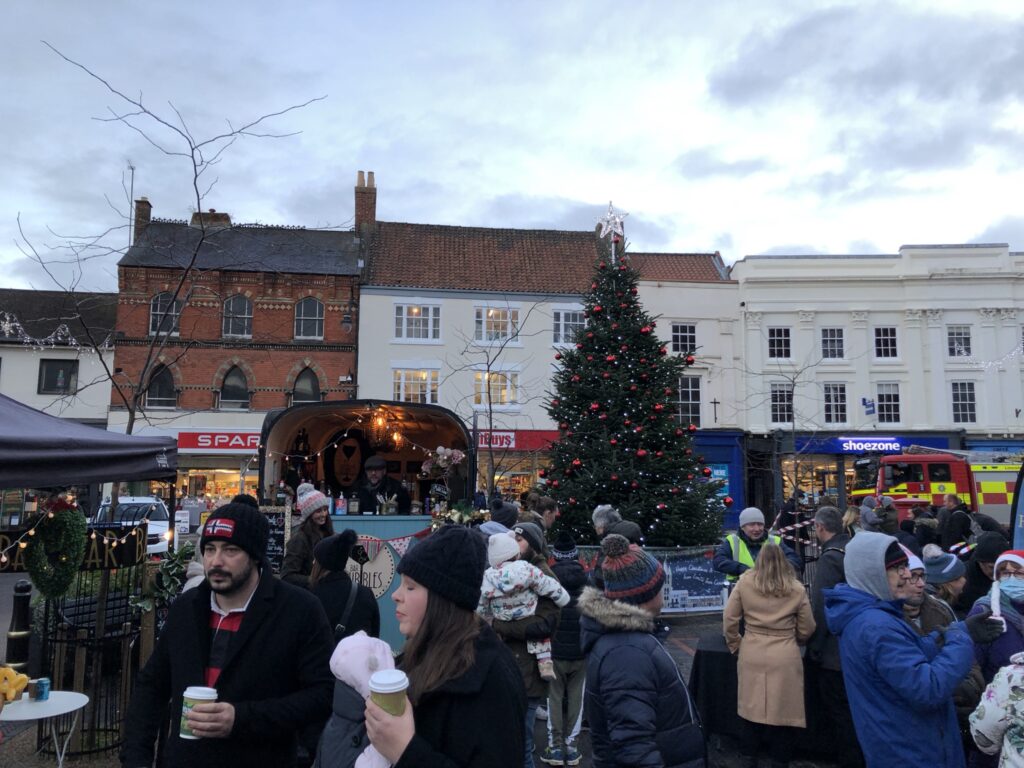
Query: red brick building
(229, 321)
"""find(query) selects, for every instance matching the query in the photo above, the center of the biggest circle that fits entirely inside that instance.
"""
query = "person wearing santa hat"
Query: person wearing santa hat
(1009, 572)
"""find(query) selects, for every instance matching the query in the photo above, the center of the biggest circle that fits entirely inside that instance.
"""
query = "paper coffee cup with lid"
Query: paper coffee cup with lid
(194, 694)
(387, 689)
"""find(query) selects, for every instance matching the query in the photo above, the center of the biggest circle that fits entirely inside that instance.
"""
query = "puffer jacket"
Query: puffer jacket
(638, 706)
(998, 723)
(900, 685)
(344, 737)
(565, 644)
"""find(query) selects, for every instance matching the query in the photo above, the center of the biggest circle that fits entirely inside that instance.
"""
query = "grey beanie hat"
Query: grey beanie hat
(751, 515)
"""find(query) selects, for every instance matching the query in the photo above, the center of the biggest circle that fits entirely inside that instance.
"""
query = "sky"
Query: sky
(738, 127)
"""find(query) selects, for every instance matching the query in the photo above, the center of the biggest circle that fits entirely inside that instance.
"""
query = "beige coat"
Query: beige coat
(771, 672)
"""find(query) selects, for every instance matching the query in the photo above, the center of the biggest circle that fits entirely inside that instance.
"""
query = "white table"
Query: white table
(59, 703)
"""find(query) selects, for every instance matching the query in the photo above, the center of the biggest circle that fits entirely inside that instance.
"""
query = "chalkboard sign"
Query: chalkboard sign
(280, 529)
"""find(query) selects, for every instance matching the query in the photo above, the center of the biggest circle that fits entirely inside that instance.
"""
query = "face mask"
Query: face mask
(1013, 588)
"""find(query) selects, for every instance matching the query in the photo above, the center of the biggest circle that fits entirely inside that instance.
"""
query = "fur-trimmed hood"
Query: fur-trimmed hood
(599, 616)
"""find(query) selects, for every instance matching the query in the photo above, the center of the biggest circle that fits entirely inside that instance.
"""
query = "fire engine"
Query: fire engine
(985, 482)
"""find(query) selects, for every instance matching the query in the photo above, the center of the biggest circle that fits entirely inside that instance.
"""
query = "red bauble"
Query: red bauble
(554, 483)
(688, 452)
(668, 390)
(645, 330)
(595, 406)
(692, 427)
(558, 355)
(728, 501)
(579, 345)
(563, 425)
(644, 377)
(679, 432)
(542, 473)
(641, 453)
(623, 305)
(661, 506)
(674, 490)
(659, 407)
(613, 441)
(565, 472)
(572, 501)
(622, 267)
(663, 351)
(577, 463)
(659, 454)
(634, 484)
(569, 433)
(627, 423)
(706, 471)
(575, 377)
(602, 265)
(618, 294)
(690, 359)
(639, 429)
(590, 358)
(606, 375)
(633, 291)
(652, 417)
(593, 286)
(598, 309)
(624, 348)
(610, 358)
(614, 478)
(632, 387)
(700, 459)
(602, 416)
(689, 477)
(643, 360)
(555, 403)
(590, 334)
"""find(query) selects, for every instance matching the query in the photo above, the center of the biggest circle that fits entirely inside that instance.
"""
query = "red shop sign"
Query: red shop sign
(240, 442)
(518, 440)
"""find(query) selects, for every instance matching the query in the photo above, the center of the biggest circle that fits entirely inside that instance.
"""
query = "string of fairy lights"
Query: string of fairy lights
(26, 537)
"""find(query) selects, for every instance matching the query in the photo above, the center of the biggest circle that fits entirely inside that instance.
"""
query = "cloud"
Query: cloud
(791, 250)
(1007, 230)
(864, 247)
(706, 162)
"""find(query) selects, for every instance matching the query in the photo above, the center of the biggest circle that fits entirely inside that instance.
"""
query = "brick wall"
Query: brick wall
(200, 356)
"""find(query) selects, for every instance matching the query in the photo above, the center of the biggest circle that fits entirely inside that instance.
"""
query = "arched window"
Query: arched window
(307, 388)
(238, 317)
(164, 313)
(234, 392)
(309, 319)
(160, 393)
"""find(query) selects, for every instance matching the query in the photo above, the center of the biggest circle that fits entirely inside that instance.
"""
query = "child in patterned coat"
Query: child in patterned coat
(511, 590)
(998, 722)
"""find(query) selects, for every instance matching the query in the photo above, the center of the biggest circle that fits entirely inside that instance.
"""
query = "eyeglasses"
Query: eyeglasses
(1009, 572)
(916, 578)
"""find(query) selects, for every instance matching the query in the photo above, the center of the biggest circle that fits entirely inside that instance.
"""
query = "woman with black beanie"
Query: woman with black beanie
(465, 699)
(979, 570)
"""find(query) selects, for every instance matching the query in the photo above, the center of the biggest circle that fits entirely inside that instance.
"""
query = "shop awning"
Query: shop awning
(42, 451)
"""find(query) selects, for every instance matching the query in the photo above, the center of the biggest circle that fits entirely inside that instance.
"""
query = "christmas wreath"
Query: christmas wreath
(55, 552)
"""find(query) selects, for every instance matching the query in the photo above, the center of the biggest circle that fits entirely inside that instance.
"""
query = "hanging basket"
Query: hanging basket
(55, 552)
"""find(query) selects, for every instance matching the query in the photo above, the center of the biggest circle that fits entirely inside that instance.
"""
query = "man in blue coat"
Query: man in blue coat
(900, 685)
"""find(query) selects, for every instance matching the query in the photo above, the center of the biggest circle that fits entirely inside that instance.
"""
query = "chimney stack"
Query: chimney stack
(366, 202)
(143, 212)
(212, 219)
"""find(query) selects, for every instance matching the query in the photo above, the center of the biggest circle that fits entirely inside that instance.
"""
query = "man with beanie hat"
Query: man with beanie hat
(378, 490)
(262, 643)
(738, 551)
(640, 711)
(900, 685)
(980, 569)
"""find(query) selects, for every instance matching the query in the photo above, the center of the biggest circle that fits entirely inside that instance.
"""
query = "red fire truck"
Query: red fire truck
(923, 476)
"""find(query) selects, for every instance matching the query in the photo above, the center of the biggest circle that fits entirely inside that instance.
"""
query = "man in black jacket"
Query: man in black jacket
(962, 525)
(823, 647)
(263, 644)
(378, 488)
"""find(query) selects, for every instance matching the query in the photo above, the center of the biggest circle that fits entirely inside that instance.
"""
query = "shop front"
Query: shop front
(512, 459)
(839, 466)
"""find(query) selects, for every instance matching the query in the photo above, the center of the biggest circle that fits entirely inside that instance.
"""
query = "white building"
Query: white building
(53, 346)
(923, 346)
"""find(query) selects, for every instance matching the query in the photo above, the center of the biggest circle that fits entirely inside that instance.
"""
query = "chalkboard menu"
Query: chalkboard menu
(280, 529)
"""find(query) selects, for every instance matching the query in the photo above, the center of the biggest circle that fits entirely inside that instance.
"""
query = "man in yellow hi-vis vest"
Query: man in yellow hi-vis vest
(738, 551)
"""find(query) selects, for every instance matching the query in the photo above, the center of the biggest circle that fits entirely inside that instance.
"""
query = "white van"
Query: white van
(132, 510)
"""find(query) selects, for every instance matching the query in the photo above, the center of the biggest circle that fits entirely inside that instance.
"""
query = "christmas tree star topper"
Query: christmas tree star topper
(611, 222)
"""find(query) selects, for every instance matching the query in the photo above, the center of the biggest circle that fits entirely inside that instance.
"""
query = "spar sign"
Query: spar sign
(219, 442)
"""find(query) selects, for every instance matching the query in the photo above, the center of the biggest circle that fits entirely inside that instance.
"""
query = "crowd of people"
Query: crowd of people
(912, 654)
(498, 625)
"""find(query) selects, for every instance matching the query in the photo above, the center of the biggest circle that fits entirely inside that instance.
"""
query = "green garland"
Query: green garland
(55, 553)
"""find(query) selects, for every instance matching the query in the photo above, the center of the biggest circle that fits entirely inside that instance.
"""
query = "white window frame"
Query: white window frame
(881, 404)
(958, 341)
(561, 330)
(969, 406)
(512, 390)
(482, 316)
(426, 312)
(227, 319)
(829, 337)
(319, 319)
(778, 391)
(691, 405)
(881, 342)
(402, 380)
(161, 313)
(829, 390)
(783, 342)
(680, 332)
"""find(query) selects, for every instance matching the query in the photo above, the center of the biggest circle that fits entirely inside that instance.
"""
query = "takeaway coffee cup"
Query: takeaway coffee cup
(387, 689)
(194, 694)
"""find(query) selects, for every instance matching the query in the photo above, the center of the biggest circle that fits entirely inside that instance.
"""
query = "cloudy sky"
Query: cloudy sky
(786, 127)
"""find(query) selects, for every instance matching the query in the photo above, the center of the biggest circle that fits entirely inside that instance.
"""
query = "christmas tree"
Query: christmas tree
(620, 442)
